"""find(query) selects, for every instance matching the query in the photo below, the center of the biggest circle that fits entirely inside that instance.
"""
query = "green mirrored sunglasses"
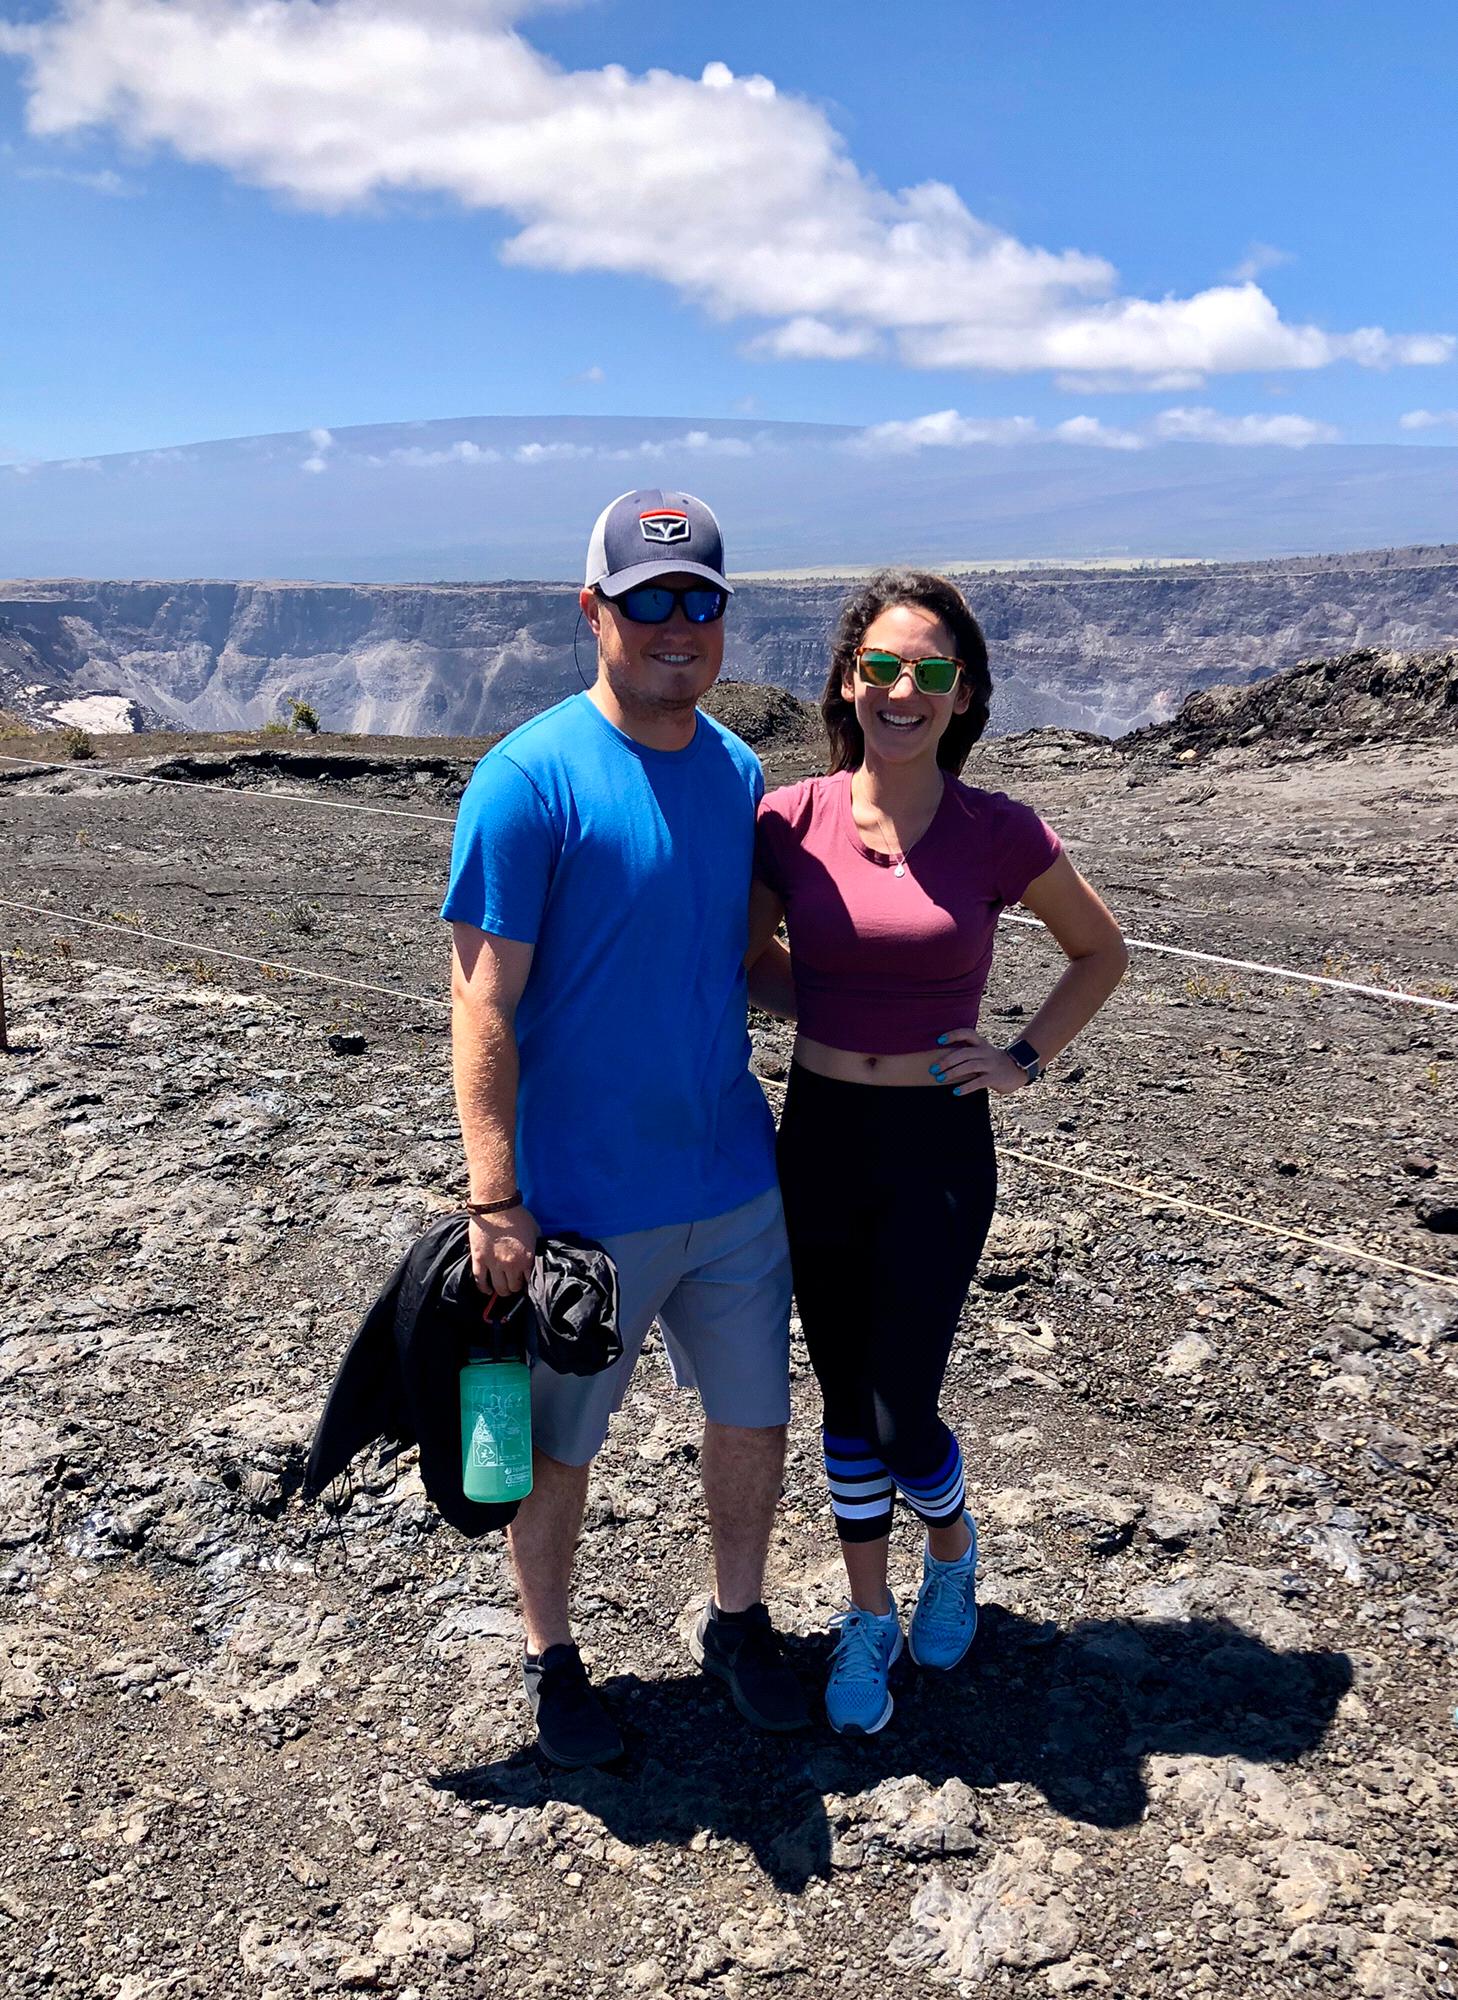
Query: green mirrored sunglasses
(934, 675)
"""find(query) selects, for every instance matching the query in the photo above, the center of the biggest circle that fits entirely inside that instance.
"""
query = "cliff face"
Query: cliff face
(1105, 650)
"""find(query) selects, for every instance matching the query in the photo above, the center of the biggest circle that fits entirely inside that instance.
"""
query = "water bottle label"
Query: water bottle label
(498, 1436)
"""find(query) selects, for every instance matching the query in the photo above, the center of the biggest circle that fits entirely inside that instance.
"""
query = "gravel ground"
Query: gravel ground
(1205, 1741)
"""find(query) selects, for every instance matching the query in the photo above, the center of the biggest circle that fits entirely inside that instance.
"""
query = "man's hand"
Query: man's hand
(503, 1249)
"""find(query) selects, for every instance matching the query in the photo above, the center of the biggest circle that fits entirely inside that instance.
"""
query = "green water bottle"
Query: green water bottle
(496, 1426)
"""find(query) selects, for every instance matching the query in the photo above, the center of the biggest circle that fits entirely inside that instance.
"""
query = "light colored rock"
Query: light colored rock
(276, 1654)
(1012, 1914)
(405, 1933)
(30, 1459)
(918, 1819)
(1257, 1600)
(1313, 1877)
(1076, 1975)
(766, 1947)
(1187, 1358)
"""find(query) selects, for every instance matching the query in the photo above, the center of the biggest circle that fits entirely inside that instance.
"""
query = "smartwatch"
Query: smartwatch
(1027, 1059)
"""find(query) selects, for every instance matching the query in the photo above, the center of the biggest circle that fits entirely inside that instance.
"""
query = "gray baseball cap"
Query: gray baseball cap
(650, 533)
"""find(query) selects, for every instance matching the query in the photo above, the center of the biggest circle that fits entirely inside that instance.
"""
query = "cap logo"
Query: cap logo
(664, 524)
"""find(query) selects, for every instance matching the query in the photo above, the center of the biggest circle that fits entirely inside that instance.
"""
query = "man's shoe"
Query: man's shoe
(945, 1617)
(858, 1698)
(743, 1650)
(573, 1727)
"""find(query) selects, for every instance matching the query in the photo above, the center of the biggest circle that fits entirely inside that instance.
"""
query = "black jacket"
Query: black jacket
(401, 1376)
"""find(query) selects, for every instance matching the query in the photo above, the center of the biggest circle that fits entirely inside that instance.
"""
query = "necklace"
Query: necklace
(895, 854)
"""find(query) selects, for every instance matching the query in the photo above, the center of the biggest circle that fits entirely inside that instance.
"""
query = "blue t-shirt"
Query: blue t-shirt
(628, 869)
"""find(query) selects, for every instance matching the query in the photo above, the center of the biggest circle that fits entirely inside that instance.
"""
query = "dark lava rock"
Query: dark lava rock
(1358, 698)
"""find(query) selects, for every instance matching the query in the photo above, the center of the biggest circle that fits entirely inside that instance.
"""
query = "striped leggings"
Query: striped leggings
(888, 1199)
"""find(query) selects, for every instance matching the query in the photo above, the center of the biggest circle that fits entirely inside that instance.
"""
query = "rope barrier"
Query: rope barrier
(217, 951)
(1275, 971)
(1142, 1192)
(1396, 994)
(1138, 1189)
(236, 792)
(1285, 1233)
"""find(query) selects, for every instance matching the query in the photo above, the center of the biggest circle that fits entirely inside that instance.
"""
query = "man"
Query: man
(598, 897)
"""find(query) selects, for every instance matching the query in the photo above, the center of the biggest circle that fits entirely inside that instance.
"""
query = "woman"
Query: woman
(890, 875)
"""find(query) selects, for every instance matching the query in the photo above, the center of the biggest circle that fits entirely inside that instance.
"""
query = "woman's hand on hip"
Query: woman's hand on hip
(970, 1062)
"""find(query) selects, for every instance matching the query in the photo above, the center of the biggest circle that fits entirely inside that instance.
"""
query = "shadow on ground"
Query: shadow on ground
(1073, 1713)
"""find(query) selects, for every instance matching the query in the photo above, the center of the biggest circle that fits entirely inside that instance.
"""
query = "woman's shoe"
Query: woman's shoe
(857, 1699)
(945, 1617)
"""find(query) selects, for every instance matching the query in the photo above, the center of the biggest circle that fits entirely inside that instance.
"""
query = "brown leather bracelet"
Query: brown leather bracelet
(479, 1208)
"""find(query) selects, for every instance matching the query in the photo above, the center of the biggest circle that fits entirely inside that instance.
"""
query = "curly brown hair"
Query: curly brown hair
(882, 592)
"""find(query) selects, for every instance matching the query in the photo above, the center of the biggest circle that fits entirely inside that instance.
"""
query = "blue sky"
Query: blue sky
(1148, 217)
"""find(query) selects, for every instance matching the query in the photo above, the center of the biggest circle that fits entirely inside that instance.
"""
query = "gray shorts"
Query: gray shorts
(720, 1291)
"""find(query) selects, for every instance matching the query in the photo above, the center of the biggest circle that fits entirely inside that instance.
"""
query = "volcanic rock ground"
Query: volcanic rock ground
(1205, 1741)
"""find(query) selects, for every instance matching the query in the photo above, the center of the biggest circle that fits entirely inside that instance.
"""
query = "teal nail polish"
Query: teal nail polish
(959, 1089)
(941, 1041)
(936, 1071)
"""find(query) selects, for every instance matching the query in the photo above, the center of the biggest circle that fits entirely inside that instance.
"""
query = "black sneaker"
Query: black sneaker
(573, 1727)
(743, 1649)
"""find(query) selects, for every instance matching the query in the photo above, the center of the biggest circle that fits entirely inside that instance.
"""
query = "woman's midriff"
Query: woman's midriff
(851, 1066)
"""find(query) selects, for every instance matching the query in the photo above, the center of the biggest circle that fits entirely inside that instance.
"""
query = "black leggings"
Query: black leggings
(889, 1194)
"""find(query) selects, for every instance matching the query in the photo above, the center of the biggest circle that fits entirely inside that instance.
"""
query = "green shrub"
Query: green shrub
(304, 718)
(76, 744)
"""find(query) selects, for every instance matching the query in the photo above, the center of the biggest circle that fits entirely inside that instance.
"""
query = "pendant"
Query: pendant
(900, 868)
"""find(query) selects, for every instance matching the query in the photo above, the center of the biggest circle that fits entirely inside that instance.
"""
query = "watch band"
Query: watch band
(1027, 1058)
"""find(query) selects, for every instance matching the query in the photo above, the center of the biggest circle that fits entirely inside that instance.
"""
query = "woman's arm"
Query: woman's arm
(1093, 944)
(1097, 959)
(767, 962)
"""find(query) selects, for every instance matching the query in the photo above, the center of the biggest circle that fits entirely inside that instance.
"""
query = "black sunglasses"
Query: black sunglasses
(655, 603)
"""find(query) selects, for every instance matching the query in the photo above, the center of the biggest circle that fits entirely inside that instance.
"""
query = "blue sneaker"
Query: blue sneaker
(945, 1617)
(857, 1700)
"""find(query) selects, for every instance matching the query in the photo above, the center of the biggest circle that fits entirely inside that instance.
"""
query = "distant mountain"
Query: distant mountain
(1098, 649)
(494, 498)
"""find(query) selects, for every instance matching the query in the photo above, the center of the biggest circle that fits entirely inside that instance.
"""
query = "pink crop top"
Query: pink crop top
(884, 963)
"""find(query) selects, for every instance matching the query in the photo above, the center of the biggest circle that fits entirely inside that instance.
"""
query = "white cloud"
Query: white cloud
(101, 180)
(462, 452)
(1116, 384)
(692, 441)
(546, 454)
(743, 199)
(942, 429)
(1429, 420)
(564, 451)
(1260, 257)
(318, 459)
(806, 338)
(1089, 430)
(1203, 426)
(592, 374)
(945, 429)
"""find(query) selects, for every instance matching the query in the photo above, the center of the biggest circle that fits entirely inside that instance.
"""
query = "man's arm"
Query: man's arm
(767, 962)
(488, 975)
